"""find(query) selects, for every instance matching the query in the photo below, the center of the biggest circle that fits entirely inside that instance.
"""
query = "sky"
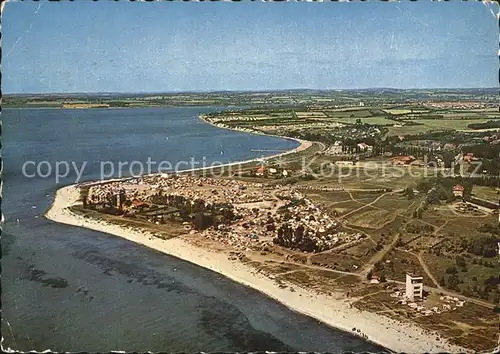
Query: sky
(109, 46)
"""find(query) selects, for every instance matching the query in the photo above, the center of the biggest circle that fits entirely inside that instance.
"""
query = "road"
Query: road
(426, 288)
(424, 267)
(379, 256)
(368, 204)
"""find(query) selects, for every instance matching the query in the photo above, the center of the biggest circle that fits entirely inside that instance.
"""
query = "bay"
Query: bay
(71, 289)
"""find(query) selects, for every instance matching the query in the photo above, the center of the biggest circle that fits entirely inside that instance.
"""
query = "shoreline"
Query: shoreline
(332, 310)
(303, 144)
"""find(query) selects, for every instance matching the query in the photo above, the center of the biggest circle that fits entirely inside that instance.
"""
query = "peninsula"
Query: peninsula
(339, 247)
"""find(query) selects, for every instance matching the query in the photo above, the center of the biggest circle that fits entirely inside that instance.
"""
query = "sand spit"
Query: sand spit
(332, 310)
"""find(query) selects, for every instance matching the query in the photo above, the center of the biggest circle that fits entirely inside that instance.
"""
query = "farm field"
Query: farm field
(427, 125)
(487, 193)
(443, 124)
(375, 120)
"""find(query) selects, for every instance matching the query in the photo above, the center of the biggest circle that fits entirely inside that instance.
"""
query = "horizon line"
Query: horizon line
(208, 91)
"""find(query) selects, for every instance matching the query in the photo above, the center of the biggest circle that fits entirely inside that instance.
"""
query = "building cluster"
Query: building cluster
(357, 132)
(298, 224)
(458, 104)
(246, 214)
(335, 149)
(421, 309)
(413, 298)
(493, 139)
(271, 172)
(304, 226)
(402, 160)
(324, 188)
(141, 189)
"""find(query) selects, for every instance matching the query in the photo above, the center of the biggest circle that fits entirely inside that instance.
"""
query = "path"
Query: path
(427, 288)
(367, 204)
(379, 256)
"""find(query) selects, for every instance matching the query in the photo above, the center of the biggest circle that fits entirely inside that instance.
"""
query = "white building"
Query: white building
(414, 287)
(365, 147)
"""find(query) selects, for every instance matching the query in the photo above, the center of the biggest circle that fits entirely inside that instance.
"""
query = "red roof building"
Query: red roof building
(468, 157)
(458, 191)
(260, 171)
(403, 160)
(137, 203)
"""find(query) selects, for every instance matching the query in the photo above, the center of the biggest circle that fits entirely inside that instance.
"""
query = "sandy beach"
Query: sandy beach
(332, 310)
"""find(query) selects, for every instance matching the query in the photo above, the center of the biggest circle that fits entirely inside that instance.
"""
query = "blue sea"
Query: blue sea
(66, 288)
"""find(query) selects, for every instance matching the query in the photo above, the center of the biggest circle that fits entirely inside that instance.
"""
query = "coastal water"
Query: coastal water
(70, 289)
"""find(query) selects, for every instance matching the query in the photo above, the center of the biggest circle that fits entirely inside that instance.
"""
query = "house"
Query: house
(414, 287)
(449, 147)
(285, 173)
(138, 204)
(260, 171)
(458, 191)
(403, 160)
(365, 147)
(272, 171)
(468, 157)
(401, 137)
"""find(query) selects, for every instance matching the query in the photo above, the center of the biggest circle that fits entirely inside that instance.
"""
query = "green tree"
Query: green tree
(451, 270)
(461, 264)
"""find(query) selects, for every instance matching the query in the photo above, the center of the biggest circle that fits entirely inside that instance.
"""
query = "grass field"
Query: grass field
(349, 113)
(456, 124)
(404, 130)
(370, 218)
(311, 115)
(398, 111)
(487, 193)
(426, 125)
(376, 120)
(400, 263)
